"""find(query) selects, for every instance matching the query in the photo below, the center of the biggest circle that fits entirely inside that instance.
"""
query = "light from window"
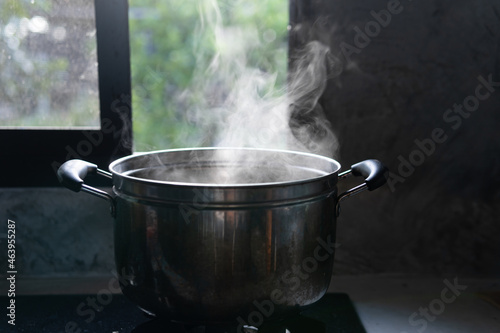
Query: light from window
(172, 45)
(48, 64)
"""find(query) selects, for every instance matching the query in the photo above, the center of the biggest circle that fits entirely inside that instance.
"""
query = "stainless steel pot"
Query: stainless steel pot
(199, 251)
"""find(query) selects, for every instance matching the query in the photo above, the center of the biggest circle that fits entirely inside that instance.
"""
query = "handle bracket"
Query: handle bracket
(374, 172)
(72, 175)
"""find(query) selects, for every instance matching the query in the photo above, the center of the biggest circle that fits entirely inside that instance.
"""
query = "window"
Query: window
(173, 44)
(59, 79)
(49, 65)
(170, 46)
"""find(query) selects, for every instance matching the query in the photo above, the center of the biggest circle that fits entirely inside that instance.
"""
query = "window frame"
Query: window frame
(31, 156)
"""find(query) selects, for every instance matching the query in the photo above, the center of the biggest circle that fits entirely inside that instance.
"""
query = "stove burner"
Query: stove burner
(334, 313)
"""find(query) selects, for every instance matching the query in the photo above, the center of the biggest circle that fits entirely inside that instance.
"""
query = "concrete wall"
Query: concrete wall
(407, 67)
(58, 232)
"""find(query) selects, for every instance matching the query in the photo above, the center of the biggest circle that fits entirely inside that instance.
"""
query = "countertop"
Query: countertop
(384, 303)
(395, 304)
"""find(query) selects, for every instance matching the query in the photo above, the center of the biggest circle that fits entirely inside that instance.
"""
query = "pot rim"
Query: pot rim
(122, 174)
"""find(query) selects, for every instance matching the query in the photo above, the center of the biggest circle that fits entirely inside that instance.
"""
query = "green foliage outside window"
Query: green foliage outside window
(172, 47)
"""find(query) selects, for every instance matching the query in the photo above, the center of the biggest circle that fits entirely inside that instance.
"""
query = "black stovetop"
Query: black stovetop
(334, 313)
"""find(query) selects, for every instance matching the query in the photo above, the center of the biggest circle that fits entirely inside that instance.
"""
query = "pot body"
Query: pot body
(215, 265)
(206, 253)
(224, 235)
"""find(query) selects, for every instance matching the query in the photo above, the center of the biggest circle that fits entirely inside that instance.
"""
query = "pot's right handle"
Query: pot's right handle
(72, 175)
(374, 172)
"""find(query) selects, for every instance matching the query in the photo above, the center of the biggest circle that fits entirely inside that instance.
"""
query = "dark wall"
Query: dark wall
(419, 89)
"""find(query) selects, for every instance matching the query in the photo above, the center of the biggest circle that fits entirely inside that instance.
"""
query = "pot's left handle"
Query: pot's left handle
(72, 175)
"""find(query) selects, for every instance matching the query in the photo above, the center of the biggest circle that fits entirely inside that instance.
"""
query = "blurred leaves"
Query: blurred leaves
(47, 63)
(173, 43)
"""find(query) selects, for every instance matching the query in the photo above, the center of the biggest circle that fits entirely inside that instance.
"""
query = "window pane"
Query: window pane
(48, 63)
(173, 45)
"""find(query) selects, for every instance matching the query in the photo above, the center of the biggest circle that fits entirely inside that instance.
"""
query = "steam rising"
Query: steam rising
(244, 106)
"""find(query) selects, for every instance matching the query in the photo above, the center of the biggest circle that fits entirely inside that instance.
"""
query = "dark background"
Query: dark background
(441, 216)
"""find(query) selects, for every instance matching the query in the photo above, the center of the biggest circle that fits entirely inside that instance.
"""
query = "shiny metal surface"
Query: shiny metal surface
(213, 264)
(199, 245)
(293, 176)
(350, 192)
(214, 253)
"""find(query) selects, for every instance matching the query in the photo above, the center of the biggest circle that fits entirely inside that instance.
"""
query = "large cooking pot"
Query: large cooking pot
(197, 249)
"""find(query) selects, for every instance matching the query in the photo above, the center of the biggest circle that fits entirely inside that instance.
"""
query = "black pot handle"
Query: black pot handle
(374, 172)
(72, 175)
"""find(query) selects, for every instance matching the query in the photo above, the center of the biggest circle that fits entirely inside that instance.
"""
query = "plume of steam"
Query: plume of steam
(307, 82)
(238, 105)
